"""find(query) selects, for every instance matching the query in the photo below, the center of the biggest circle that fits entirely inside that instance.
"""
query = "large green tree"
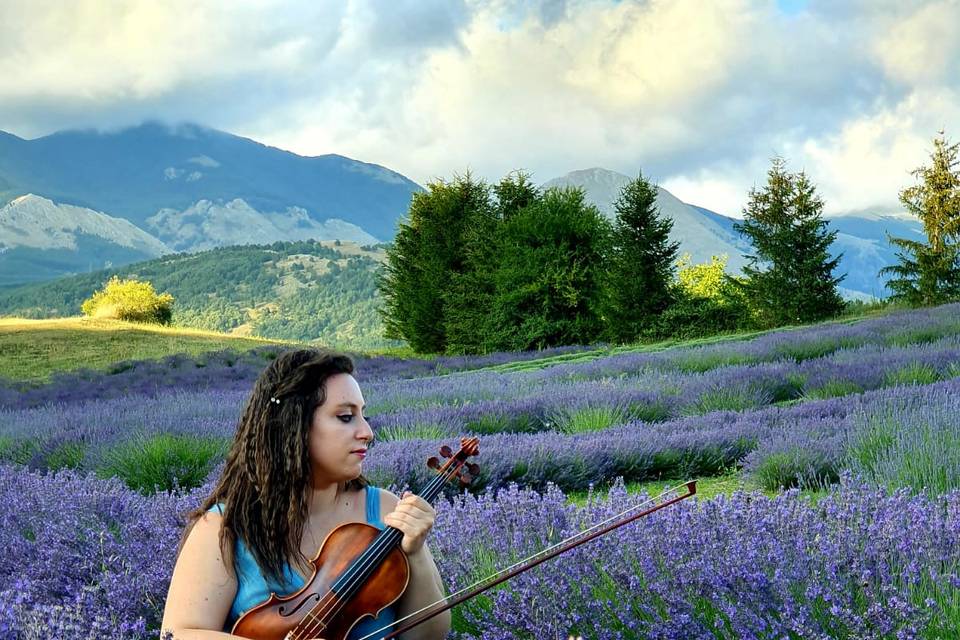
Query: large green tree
(416, 283)
(471, 327)
(789, 278)
(548, 277)
(641, 263)
(929, 272)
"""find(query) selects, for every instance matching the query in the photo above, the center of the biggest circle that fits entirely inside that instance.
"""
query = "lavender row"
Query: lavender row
(487, 402)
(813, 436)
(86, 558)
(229, 371)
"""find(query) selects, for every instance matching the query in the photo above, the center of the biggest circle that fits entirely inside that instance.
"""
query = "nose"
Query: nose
(367, 432)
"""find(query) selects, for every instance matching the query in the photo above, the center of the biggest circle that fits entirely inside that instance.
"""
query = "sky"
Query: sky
(698, 95)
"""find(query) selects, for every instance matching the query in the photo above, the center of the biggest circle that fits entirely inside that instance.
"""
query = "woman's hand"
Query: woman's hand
(414, 517)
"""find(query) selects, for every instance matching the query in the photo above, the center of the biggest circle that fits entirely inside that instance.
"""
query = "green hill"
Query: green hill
(32, 350)
(303, 291)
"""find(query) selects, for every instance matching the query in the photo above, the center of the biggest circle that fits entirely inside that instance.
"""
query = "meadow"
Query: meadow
(831, 453)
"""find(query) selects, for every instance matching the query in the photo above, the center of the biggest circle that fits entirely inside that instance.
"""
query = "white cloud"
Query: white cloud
(869, 161)
(923, 48)
(697, 95)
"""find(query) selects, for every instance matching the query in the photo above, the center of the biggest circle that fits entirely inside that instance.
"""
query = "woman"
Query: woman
(292, 475)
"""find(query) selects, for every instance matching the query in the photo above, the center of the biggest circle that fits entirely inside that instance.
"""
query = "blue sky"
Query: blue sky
(697, 94)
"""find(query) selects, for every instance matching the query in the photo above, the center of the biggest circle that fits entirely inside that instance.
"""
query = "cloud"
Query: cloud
(699, 96)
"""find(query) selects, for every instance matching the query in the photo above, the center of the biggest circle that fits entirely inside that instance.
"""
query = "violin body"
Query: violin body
(275, 618)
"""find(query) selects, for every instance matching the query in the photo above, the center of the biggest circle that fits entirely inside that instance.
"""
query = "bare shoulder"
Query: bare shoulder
(202, 587)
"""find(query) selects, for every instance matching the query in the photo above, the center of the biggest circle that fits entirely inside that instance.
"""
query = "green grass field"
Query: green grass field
(32, 350)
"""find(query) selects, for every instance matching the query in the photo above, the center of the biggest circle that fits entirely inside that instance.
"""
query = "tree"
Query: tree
(706, 301)
(783, 223)
(641, 263)
(130, 300)
(471, 328)
(548, 277)
(929, 273)
(426, 254)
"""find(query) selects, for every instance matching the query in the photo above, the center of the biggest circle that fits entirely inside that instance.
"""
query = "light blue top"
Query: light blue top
(253, 588)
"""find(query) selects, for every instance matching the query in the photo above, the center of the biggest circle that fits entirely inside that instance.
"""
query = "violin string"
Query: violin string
(494, 576)
(366, 559)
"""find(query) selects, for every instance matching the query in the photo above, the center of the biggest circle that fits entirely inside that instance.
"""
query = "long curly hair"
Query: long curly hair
(264, 489)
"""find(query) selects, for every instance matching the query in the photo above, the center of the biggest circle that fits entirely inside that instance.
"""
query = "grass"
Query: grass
(707, 487)
(32, 350)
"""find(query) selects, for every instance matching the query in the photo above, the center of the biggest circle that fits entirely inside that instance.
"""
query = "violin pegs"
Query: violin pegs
(471, 445)
(446, 452)
(474, 468)
(434, 462)
(465, 478)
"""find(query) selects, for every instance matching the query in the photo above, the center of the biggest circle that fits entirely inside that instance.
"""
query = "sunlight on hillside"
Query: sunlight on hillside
(31, 350)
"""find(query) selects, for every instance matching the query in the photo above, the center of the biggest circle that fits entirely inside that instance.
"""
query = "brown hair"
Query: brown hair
(265, 484)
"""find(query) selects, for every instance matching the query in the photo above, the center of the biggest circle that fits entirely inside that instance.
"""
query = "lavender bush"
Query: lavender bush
(89, 558)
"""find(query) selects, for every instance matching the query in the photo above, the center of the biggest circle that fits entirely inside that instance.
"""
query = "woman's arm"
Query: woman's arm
(426, 586)
(202, 589)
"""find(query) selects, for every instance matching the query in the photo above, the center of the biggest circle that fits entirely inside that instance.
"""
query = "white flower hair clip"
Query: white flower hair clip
(276, 400)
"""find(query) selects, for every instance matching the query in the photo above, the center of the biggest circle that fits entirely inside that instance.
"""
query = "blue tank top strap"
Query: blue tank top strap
(373, 507)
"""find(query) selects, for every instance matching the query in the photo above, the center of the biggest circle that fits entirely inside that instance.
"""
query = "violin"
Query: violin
(360, 570)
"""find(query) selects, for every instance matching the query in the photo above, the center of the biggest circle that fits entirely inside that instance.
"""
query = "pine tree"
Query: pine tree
(790, 277)
(427, 253)
(929, 273)
(471, 328)
(641, 263)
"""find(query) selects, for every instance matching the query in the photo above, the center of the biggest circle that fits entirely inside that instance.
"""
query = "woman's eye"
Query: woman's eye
(346, 417)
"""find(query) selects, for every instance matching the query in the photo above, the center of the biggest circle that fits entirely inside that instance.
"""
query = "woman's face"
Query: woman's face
(339, 434)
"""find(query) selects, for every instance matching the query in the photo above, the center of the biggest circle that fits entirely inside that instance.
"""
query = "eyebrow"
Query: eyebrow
(349, 404)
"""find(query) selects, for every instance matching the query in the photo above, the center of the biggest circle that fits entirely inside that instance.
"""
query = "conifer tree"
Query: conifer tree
(548, 278)
(426, 254)
(471, 327)
(641, 263)
(929, 273)
(789, 279)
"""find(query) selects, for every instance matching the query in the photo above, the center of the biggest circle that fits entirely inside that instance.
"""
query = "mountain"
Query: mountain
(136, 173)
(206, 225)
(861, 237)
(699, 232)
(40, 239)
(189, 188)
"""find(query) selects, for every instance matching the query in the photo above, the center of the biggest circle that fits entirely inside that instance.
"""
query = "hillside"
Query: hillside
(304, 291)
(134, 173)
(33, 350)
(40, 240)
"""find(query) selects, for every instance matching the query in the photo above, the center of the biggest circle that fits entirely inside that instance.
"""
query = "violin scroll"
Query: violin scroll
(468, 447)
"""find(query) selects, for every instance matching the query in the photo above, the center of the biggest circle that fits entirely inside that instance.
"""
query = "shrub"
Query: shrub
(916, 446)
(795, 467)
(914, 373)
(163, 462)
(130, 300)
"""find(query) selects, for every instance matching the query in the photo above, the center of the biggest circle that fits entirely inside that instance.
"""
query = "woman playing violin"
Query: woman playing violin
(293, 474)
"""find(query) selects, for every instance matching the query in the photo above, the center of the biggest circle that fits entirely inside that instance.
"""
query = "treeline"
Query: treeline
(478, 267)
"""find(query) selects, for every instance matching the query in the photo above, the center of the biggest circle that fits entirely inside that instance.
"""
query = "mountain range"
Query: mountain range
(79, 201)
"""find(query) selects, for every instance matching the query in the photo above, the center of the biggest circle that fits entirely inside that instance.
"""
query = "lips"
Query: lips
(360, 452)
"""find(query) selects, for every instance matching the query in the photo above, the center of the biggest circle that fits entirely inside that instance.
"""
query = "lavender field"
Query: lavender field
(847, 436)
